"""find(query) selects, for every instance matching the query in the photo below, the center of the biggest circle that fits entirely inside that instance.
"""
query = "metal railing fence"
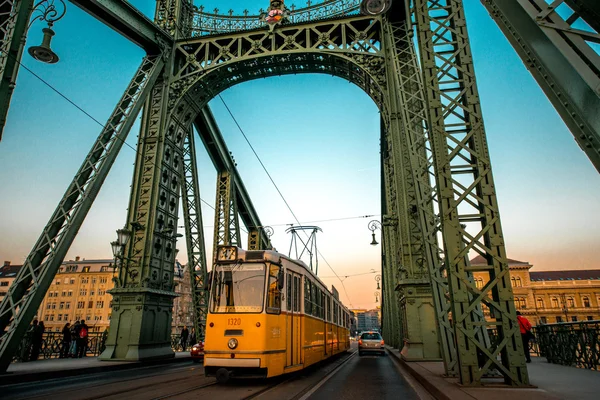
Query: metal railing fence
(570, 343)
(52, 344)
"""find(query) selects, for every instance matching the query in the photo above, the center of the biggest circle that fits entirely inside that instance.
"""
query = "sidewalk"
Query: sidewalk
(553, 382)
(62, 367)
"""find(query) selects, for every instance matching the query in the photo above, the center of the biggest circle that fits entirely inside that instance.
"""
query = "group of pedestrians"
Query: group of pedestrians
(185, 335)
(75, 340)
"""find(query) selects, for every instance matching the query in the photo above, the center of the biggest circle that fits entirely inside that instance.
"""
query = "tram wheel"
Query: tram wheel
(222, 375)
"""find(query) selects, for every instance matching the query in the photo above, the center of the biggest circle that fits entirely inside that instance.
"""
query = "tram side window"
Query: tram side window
(335, 313)
(296, 293)
(328, 300)
(307, 303)
(288, 293)
(274, 294)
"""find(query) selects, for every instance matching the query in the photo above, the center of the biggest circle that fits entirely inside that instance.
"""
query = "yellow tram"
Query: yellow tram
(269, 315)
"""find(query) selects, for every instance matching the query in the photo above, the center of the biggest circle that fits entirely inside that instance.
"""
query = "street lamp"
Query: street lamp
(373, 226)
(378, 279)
(377, 294)
(46, 10)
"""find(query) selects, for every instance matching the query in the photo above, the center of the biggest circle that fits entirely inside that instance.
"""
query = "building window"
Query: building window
(92, 292)
(46, 318)
(80, 304)
(72, 281)
(61, 306)
(48, 306)
(101, 292)
(90, 304)
(513, 281)
(54, 306)
(67, 305)
(85, 280)
(51, 317)
(540, 303)
(86, 269)
(100, 304)
(554, 302)
(4, 283)
(103, 280)
(98, 318)
(57, 282)
(558, 319)
(586, 302)
(88, 317)
(83, 292)
(590, 318)
(570, 302)
(70, 293)
(523, 302)
(66, 281)
(59, 317)
(574, 318)
(543, 320)
(63, 294)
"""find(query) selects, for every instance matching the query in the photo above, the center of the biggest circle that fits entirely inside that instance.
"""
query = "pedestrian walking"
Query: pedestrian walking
(37, 336)
(82, 339)
(66, 341)
(74, 337)
(193, 337)
(526, 335)
(184, 337)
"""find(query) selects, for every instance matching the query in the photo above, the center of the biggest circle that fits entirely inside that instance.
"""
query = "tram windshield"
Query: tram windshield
(238, 288)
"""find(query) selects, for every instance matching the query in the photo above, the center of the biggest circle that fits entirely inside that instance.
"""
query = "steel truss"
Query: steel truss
(14, 22)
(469, 214)
(227, 226)
(194, 233)
(33, 279)
(560, 58)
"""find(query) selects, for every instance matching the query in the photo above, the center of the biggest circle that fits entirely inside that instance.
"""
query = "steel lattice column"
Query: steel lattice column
(194, 233)
(33, 279)
(423, 198)
(227, 226)
(417, 308)
(468, 206)
(14, 21)
(143, 296)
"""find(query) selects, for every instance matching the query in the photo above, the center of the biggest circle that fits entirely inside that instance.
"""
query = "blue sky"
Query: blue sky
(317, 135)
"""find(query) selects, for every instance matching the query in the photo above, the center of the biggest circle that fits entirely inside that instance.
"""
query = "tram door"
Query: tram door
(293, 345)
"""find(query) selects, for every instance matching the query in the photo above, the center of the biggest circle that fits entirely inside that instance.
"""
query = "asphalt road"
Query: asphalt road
(366, 377)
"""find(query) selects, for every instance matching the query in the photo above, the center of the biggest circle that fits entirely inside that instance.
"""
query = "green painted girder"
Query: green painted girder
(560, 59)
(215, 145)
(194, 233)
(129, 22)
(467, 200)
(32, 281)
(14, 22)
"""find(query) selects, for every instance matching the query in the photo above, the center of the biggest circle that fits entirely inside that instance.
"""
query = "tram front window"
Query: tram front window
(238, 288)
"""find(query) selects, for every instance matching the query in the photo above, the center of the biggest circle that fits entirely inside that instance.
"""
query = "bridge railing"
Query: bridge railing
(52, 344)
(206, 23)
(570, 343)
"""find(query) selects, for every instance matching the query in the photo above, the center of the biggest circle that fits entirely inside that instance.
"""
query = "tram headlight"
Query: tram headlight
(232, 344)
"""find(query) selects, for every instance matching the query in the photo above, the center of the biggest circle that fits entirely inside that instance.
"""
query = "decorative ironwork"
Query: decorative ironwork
(206, 23)
(574, 343)
(52, 344)
(46, 10)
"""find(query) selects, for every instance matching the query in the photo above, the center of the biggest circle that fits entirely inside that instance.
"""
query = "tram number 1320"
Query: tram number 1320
(234, 321)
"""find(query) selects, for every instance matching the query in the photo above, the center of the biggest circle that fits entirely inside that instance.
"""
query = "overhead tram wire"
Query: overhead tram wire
(84, 112)
(263, 165)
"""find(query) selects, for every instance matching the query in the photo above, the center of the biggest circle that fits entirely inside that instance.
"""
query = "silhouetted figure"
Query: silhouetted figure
(37, 335)
(66, 341)
(82, 339)
(184, 337)
(74, 337)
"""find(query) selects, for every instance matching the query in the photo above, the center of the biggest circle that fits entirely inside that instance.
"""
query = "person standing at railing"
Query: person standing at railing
(184, 337)
(36, 339)
(66, 341)
(526, 335)
(74, 336)
(82, 339)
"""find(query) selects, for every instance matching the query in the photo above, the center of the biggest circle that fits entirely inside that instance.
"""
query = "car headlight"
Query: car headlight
(196, 348)
(232, 344)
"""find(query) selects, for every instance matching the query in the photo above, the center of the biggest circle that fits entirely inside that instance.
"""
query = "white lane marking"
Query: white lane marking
(331, 374)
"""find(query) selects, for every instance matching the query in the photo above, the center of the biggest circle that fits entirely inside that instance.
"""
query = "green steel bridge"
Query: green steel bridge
(414, 60)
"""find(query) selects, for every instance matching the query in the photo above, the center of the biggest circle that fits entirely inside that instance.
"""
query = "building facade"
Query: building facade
(366, 320)
(80, 291)
(548, 297)
(8, 273)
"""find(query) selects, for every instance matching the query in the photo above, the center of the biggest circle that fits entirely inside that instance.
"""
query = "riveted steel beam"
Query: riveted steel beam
(128, 21)
(560, 58)
(217, 150)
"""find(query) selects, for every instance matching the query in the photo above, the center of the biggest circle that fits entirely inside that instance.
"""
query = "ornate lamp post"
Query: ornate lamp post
(46, 10)
(378, 279)
(118, 248)
(373, 226)
(377, 294)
